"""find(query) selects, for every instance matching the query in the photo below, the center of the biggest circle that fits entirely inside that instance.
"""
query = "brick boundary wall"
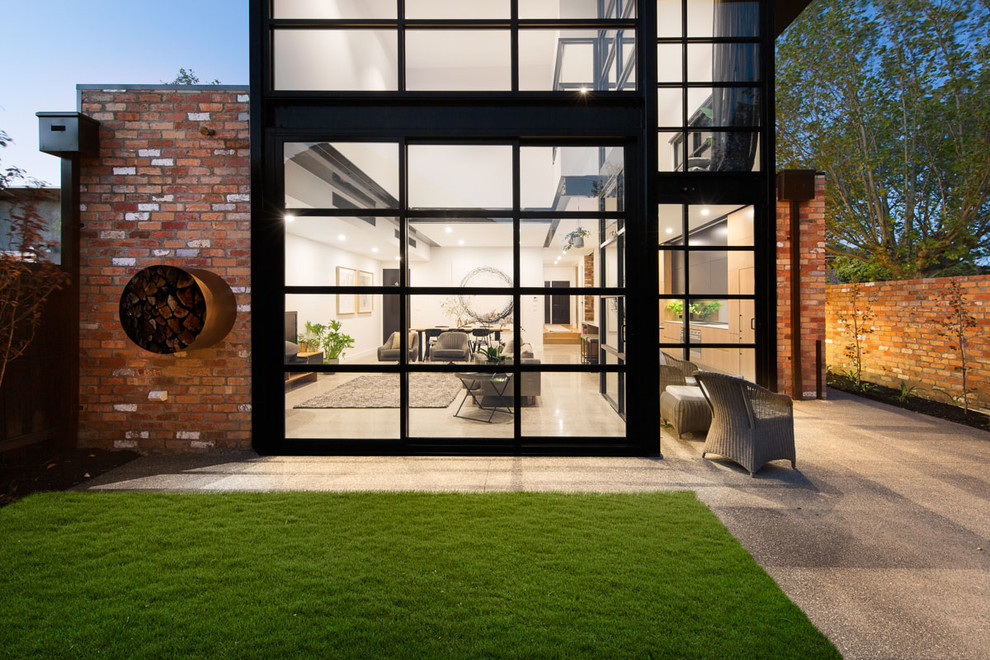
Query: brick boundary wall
(813, 289)
(904, 346)
(164, 191)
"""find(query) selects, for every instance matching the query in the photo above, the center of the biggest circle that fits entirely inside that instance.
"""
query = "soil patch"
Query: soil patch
(48, 466)
(910, 402)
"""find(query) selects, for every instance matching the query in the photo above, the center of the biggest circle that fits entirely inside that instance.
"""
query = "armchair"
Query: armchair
(451, 346)
(389, 351)
(750, 424)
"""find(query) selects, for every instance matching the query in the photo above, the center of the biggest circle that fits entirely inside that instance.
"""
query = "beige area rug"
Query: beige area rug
(426, 390)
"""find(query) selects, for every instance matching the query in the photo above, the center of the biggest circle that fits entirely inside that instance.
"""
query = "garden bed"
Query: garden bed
(910, 402)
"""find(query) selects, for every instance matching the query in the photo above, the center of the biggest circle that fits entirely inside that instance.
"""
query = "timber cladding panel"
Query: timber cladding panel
(905, 345)
(171, 186)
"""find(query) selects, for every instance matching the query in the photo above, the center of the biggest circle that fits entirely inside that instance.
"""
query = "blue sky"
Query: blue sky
(48, 46)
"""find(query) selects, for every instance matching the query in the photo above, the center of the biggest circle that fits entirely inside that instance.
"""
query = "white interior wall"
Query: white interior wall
(316, 265)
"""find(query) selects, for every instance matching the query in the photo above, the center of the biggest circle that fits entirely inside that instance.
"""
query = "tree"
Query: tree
(954, 324)
(892, 100)
(189, 78)
(27, 277)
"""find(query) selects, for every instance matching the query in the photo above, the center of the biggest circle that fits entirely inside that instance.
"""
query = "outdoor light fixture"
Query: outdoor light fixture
(705, 211)
(208, 132)
(289, 217)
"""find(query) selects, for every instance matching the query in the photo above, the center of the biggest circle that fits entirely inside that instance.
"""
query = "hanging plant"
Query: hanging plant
(575, 238)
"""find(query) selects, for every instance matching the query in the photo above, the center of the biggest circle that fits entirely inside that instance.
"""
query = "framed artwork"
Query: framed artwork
(346, 302)
(365, 301)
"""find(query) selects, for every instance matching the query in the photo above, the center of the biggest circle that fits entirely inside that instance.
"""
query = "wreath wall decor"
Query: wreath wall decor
(496, 308)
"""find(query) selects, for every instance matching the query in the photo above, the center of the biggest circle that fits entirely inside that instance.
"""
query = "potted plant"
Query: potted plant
(493, 354)
(330, 339)
(575, 238)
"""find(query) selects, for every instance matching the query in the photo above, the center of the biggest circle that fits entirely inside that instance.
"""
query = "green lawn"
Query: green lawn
(408, 575)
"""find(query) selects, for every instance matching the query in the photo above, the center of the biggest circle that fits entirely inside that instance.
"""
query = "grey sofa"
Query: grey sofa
(388, 354)
(531, 382)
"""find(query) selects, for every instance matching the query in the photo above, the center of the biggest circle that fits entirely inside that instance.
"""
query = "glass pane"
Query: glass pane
(460, 176)
(670, 63)
(338, 60)
(672, 277)
(670, 110)
(671, 224)
(448, 9)
(559, 250)
(452, 328)
(711, 273)
(579, 60)
(724, 106)
(480, 406)
(735, 151)
(720, 225)
(337, 405)
(564, 329)
(341, 175)
(668, 18)
(571, 178)
(315, 246)
(458, 60)
(570, 404)
(577, 9)
(339, 9)
(670, 151)
(723, 18)
(359, 334)
(471, 252)
(672, 323)
(733, 361)
(723, 62)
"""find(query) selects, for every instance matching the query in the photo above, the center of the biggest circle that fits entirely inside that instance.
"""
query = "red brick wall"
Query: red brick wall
(813, 290)
(904, 346)
(162, 192)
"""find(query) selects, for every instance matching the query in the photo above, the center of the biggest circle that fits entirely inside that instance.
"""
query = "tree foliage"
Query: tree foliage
(892, 100)
(27, 276)
(189, 77)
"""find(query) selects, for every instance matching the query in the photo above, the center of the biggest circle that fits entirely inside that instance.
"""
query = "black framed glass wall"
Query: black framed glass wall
(430, 255)
(496, 166)
(446, 45)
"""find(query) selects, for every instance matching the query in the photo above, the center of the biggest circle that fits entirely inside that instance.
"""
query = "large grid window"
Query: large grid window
(426, 254)
(708, 76)
(453, 46)
(707, 286)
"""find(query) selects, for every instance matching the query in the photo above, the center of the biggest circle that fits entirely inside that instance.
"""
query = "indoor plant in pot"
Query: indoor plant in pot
(330, 339)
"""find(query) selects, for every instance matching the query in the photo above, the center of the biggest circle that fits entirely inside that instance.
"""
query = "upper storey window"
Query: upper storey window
(709, 103)
(453, 45)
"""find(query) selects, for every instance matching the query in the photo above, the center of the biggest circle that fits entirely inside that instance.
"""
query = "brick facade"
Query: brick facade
(813, 288)
(904, 346)
(164, 191)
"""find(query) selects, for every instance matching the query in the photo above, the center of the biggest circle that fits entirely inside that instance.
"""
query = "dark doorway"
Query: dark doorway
(390, 304)
(557, 309)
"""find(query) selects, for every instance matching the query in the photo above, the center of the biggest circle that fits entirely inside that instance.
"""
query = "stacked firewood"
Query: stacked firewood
(163, 309)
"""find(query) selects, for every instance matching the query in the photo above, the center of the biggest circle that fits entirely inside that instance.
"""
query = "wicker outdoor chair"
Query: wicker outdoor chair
(750, 424)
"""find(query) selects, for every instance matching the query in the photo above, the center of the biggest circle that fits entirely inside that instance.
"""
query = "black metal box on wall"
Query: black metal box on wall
(66, 134)
(796, 185)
